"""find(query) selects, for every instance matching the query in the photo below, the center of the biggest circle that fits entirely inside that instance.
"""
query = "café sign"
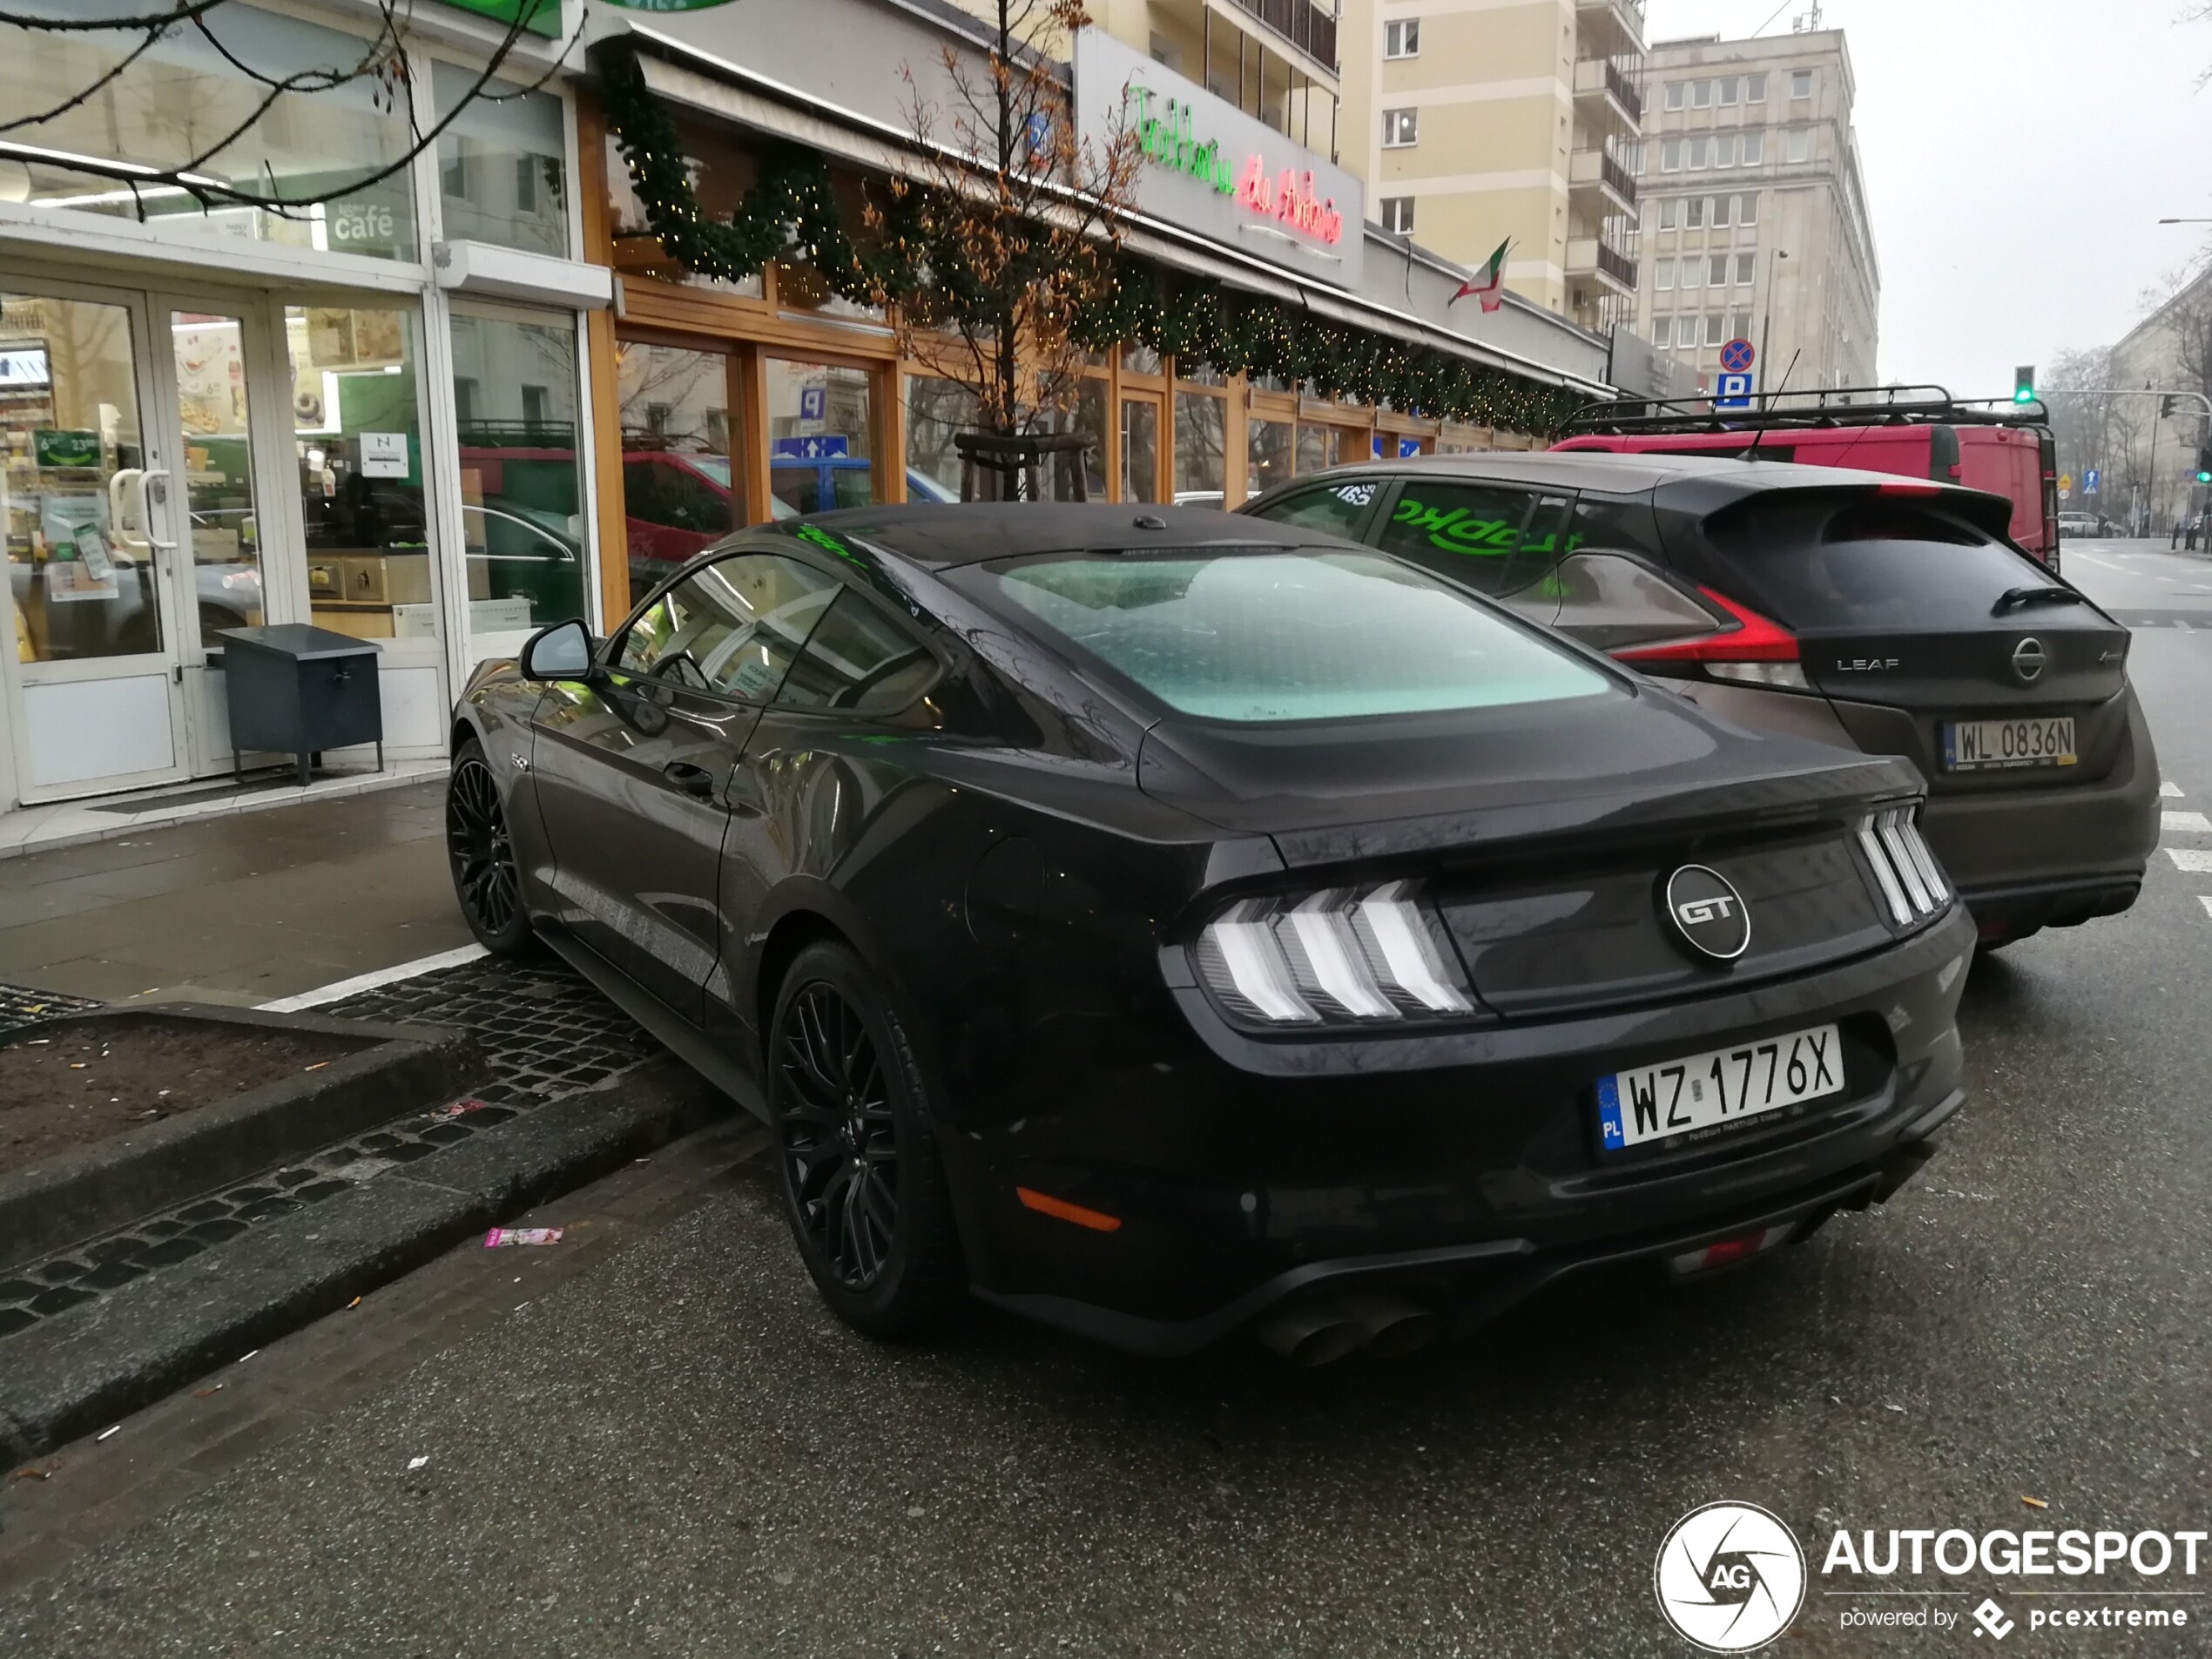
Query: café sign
(1210, 168)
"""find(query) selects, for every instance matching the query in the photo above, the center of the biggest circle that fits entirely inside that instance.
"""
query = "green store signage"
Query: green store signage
(538, 16)
(62, 447)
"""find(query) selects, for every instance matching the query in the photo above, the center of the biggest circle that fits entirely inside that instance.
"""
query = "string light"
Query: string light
(791, 210)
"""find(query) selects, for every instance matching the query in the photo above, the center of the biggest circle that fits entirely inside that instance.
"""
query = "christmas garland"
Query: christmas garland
(792, 214)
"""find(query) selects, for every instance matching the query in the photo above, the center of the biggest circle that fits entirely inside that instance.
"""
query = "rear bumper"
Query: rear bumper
(2032, 858)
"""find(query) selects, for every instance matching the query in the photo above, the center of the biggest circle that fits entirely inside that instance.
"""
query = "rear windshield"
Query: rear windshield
(1822, 558)
(1290, 634)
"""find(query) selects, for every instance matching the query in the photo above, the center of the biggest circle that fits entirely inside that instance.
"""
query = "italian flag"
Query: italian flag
(1488, 284)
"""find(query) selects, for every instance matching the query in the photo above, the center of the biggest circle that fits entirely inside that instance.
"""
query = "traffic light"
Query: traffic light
(2166, 409)
(2204, 464)
(2024, 383)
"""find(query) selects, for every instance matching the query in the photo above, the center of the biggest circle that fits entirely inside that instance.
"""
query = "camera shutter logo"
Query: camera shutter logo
(1708, 913)
(1729, 1577)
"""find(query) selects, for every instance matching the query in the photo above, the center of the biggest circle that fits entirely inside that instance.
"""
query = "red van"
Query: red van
(1913, 431)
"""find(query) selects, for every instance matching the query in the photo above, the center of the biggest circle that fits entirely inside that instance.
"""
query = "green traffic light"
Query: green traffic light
(2024, 395)
(2204, 478)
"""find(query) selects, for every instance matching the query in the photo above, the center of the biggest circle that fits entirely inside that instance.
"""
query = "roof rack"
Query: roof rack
(1840, 406)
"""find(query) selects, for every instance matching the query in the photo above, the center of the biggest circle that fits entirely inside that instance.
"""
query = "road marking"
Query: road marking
(2190, 859)
(2206, 902)
(2190, 823)
(330, 993)
(2171, 790)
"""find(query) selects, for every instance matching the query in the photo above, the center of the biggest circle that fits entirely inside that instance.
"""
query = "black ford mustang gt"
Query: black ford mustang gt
(1163, 923)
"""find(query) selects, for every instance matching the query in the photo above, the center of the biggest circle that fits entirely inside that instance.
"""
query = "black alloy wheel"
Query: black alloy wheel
(483, 856)
(864, 1190)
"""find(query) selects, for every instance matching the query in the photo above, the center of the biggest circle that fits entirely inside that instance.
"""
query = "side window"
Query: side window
(1335, 507)
(1614, 589)
(732, 628)
(1471, 532)
(858, 659)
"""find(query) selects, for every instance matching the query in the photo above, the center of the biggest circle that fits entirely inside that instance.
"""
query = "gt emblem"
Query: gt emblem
(1696, 910)
(1708, 914)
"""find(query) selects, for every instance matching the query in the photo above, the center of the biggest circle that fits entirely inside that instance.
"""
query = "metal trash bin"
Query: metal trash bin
(298, 691)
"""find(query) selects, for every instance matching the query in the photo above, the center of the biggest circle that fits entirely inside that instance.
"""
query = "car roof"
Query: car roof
(1604, 470)
(940, 535)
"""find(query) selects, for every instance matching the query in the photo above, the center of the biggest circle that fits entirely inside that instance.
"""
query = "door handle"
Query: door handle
(692, 780)
(145, 515)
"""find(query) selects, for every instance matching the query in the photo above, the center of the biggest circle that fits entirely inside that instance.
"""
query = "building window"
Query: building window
(1701, 95)
(1673, 98)
(1754, 148)
(1800, 83)
(1797, 144)
(1662, 273)
(1671, 155)
(1724, 150)
(1693, 270)
(1747, 208)
(1743, 266)
(1720, 209)
(1397, 214)
(1670, 213)
(1739, 325)
(1693, 211)
(1698, 147)
(1398, 128)
(1728, 89)
(1402, 37)
(1686, 332)
(1754, 88)
(500, 167)
(1713, 328)
(1717, 275)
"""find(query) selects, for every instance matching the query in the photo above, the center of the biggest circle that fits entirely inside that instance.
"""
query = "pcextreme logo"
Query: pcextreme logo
(1729, 1577)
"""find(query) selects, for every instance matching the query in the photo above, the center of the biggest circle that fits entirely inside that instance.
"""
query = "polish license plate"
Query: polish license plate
(1992, 745)
(1704, 1092)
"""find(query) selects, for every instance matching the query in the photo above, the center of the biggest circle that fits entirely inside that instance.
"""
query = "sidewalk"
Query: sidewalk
(241, 908)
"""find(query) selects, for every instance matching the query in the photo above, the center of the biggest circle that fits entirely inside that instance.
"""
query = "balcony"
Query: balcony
(1611, 26)
(1308, 28)
(1600, 80)
(1590, 256)
(1597, 171)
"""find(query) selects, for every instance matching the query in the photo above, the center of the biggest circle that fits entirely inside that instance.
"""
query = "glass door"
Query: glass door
(1140, 446)
(91, 515)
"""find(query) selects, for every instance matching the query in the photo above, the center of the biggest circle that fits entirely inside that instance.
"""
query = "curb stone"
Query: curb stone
(94, 1363)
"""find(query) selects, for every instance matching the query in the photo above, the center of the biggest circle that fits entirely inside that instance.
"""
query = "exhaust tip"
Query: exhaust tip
(1311, 1336)
(1395, 1328)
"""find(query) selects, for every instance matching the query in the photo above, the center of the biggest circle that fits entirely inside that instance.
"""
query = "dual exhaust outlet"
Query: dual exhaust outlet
(1320, 1332)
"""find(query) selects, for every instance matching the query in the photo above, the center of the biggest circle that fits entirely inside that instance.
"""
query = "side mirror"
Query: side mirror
(561, 652)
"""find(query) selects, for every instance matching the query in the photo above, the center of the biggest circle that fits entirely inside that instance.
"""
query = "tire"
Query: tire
(863, 1188)
(481, 854)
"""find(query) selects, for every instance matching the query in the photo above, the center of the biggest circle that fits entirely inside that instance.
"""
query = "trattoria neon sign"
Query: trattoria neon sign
(1168, 140)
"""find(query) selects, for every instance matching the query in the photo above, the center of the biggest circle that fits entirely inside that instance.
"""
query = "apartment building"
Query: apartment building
(1474, 122)
(1753, 219)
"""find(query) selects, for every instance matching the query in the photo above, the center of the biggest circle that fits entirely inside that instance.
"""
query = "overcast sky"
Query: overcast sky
(2018, 155)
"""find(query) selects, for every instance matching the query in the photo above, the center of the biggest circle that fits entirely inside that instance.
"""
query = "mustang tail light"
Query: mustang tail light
(1343, 954)
(1755, 651)
(1911, 880)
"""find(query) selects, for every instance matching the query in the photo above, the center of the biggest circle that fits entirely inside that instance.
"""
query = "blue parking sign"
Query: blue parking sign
(1734, 393)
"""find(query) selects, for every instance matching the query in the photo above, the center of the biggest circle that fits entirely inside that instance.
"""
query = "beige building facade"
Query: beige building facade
(1753, 221)
(1474, 122)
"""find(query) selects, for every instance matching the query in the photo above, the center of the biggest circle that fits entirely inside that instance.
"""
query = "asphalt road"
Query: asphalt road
(650, 1440)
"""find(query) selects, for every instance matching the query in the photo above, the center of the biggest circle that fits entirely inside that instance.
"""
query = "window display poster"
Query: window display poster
(384, 455)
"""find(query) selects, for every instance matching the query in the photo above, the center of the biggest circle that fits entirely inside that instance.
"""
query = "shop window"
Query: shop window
(500, 170)
(1201, 462)
(521, 509)
(820, 422)
(1140, 360)
(1140, 448)
(70, 444)
(223, 527)
(721, 173)
(1087, 417)
(679, 496)
(1319, 447)
(160, 102)
(359, 450)
(1269, 454)
(936, 410)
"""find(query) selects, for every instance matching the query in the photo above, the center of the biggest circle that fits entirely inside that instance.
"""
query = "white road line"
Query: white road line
(2206, 902)
(2171, 790)
(2106, 563)
(2190, 859)
(2190, 823)
(421, 965)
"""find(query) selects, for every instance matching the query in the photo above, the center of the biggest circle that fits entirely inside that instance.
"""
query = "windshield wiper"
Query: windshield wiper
(2014, 597)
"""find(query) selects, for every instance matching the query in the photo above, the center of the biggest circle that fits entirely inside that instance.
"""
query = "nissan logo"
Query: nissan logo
(1708, 913)
(2028, 660)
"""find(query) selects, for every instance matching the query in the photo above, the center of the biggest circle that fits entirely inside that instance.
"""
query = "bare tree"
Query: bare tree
(386, 63)
(1020, 216)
